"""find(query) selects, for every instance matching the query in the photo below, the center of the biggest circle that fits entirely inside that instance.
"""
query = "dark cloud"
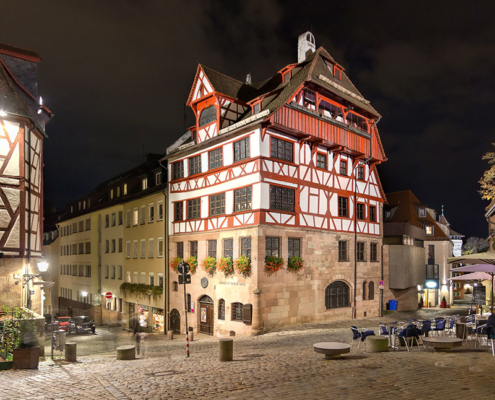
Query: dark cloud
(117, 74)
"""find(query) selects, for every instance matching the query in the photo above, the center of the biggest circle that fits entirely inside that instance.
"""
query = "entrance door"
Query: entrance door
(206, 315)
(175, 321)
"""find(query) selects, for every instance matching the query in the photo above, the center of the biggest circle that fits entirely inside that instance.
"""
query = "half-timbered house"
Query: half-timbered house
(22, 131)
(284, 168)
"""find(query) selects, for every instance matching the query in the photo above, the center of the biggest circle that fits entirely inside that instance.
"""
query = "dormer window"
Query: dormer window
(111, 194)
(422, 212)
(144, 183)
(256, 108)
(429, 230)
(286, 77)
(158, 178)
(208, 115)
(337, 72)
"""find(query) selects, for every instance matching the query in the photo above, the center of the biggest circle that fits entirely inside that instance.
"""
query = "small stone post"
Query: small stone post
(226, 349)
(70, 352)
(170, 335)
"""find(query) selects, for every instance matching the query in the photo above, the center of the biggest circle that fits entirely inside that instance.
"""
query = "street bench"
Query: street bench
(332, 350)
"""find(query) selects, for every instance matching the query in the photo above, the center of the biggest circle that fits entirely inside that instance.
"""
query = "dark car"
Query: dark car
(81, 324)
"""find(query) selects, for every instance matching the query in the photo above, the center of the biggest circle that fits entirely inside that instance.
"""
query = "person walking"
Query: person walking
(138, 338)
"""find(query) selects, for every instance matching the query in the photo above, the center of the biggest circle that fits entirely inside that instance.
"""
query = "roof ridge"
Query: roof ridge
(221, 73)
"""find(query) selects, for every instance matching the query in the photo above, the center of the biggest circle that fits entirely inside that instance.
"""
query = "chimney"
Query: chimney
(248, 79)
(305, 46)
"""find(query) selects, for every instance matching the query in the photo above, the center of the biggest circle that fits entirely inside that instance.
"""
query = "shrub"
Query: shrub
(226, 266)
(209, 265)
(295, 264)
(140, 290)
(273, 264)
(243, 266)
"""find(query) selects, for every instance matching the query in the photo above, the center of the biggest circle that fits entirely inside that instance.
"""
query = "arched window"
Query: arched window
(371, 291)
(221, 309)
(175, 286)
(209, 114)
(337, 295)
(364, 290)
(188, 302)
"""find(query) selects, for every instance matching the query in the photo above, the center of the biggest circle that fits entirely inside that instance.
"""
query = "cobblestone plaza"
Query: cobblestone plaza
(278, 365)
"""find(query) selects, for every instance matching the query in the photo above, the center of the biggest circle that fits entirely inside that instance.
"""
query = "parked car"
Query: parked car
(62, 323)
(81, 324)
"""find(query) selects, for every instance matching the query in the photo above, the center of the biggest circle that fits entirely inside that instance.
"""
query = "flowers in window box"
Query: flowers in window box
(226, 266)
(295, 264)
(174, 264)
(273, 264)
(209, 265)
(243, 266)
(193, 263)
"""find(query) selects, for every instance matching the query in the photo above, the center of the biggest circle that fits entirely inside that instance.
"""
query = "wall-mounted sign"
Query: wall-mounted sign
(204, 283)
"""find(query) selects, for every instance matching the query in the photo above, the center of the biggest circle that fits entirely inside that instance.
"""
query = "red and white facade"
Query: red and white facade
(280, 172)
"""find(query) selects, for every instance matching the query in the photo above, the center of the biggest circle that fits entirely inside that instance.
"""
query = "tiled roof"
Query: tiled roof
(11, 99)
(19, 52)
(229, 86)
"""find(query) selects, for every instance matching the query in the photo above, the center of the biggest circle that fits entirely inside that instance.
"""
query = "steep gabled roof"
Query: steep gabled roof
(19, 52)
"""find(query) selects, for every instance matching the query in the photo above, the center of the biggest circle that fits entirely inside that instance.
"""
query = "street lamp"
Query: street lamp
(84, 294)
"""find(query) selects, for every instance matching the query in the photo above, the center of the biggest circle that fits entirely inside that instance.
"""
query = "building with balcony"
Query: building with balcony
(281, 170)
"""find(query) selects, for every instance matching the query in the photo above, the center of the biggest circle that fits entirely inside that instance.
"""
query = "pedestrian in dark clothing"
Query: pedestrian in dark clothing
(138, 338)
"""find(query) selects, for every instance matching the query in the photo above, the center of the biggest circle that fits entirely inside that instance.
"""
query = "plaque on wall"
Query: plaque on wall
(204, 283)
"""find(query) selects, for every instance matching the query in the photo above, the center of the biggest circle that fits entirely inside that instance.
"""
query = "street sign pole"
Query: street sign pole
(184, 269)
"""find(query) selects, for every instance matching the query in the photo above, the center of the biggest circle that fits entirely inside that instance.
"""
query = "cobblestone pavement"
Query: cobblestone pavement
(277, 365)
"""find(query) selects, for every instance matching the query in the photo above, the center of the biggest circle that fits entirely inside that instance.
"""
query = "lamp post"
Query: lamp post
(43, 267)
(84, 294)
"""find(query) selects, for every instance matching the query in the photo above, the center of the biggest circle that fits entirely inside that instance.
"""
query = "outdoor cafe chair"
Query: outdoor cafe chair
(409, 332)
(360, 334)
(449, 328)
(425, 328)
(439, 326)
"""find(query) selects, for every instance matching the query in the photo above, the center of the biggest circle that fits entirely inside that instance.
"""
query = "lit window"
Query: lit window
(144, 183)
(429, 230)
(125, 188)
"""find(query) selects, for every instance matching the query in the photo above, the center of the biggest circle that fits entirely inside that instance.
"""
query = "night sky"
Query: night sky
(117, 74)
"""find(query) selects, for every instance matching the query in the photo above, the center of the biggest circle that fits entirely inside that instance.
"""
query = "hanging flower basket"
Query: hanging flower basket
(226, 266)
(273, 264)
(243, 266)
(209, 265)
(174, 264)
(295, 264)
(141, 290)
(193, 263)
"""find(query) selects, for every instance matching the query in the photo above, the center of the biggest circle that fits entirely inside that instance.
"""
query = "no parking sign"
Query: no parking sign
(381, 285)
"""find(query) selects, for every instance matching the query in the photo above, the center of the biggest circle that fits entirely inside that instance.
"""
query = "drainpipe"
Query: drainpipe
(355, 243)
(166, 275)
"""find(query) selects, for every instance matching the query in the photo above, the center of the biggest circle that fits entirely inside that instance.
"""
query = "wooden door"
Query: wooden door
(175, 321)
(206, 318)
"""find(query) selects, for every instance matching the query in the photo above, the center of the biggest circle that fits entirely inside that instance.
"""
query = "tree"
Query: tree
(487, 182)
(475, 245)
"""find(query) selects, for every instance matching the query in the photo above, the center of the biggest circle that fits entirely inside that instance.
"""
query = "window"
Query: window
(160, 280)
(151, 212)
(343, 207)
(360, 173)
(120, 272)
(360, 211)
(144, 183)
(431, 252)
(160, 211)
(87, 272)
(120, 217)
(241, 149)
(272, 246)
(81, 226)
(212, 249)
(107, 221)
(371, 291)
(175, 287)
(373, 252)
(429, 230)
(364, 290)
(337, 295)
(113, 246)
(215, 158)
(236, 312)
(256, 108)
(135, 217)
(151, 247)
(143, 248)
(217, 204)
(208, 115)
(281, 149)
(87, 249)
(151, 279)
(178, 170)
(189, 302)
(221, 309)
(134, 249)
(422, 212)
(120, 245)
(81, 248)
(343, 167)
(143, 277)
(294, 247)
(246, 247)
(81, 270)
(193, 249)
(74, 270)
(143, 215)
(107, 271)
(113, 271)
(107, 246)
(242, 198)
(195, 165)
(125, 189)
(194, 208)
(113, 219)
(127, 249)
(321, 160)
(88, 224)
(135, 277)
(343, 251)
(180, 249)
(282, 198)
(158, 178)
(128, 218)
(118, 191)
(111, 194)
(360, 255)
(159, 250)
(178, 211)
(372, 213)
(228, 248)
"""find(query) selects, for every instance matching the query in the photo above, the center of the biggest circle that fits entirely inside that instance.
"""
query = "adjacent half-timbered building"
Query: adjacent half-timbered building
(282, 170)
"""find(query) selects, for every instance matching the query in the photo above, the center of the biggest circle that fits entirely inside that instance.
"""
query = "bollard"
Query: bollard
(191, 334)
(226, 349)
(70, 352)
(170, 335)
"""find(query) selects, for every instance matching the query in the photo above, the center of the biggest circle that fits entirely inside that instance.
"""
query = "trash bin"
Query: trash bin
(393, 305)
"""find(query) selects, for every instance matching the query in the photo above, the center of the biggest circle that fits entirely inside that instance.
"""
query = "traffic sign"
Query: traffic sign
(181, 279)
(108, 295)
(184, 268)
(381, 285)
